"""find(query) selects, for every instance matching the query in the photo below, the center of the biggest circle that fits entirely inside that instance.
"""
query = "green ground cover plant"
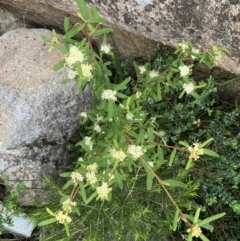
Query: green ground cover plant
(148, 146)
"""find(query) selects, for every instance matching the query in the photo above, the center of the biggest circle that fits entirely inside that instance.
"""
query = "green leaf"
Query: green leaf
(83, 9)
(210, 152)
(159, 93)
(47, 222)
(150, 133)
(71, 33)
(91, 198)
(66, 24)
(212, 218)
(59, 65)
(141, 137)
(206, 142)
(184, 144)
(95, 12)
(173, 153)
(149, 180)
(67, 184)
(174, 183)
(90, 27)
(189, 237)
(59, 47)
(45, 38)
(196, 216)
(176, 218)
(65, 174)
(101, 31)
(122, 85)
(203, 237)
(66, 228)
(206, 226)
(189, 164)
(82, 192)
(50, 212)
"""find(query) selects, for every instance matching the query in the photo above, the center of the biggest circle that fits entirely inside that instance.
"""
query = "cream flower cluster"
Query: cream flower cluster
(195, 152)
(62, 217)
(76, 177)
(184, 70)
(91, 174)
(135, 151)
(77, 56)
(67, 205)
(153, 73)
(196, 231)
(103, 191)
(109, 95)
(88, 142)
(105, 48)
(118, 155)
(189, 88)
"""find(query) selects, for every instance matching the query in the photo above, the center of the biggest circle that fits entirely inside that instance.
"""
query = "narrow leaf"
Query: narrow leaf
(66, 24)
(66, 228)
(45, 38)
(210, 152)
(50, 212)
(206, 142)
(174, 183)
(173, 153)
(196, 217)
(83, 9)
(176, 218)
(47, 222)
(210, 219)
(203, 237)
(91, 198)
(71, 33)
(82, 192)
(149, 180)
(101, 31)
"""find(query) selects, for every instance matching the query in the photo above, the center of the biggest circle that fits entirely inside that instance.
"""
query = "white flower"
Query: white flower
(72, 74)
(135, 151)
(86, 71)
(80, 159)
(109, 95)
(184, 70)
(83, 114)
(118, 155)
(91, 177)
(195, 51)
(151, 164)
(103, 191)
(153, 73)
(189, 88)
(138, 94)
(88, 142)
(142, 69)
(97, 128)
(75, 55)
(105, 48)
(92, 167)
(129, 116)
(183, 46)
(76, 177)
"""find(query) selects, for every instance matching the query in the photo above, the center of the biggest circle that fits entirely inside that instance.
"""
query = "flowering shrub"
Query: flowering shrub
(125, 141)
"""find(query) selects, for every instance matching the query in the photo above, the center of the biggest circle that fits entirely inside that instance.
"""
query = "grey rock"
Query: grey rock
(139, 24)
(37, 112)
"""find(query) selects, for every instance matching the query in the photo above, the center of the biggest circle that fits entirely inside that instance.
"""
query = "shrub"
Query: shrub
(141, 143)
